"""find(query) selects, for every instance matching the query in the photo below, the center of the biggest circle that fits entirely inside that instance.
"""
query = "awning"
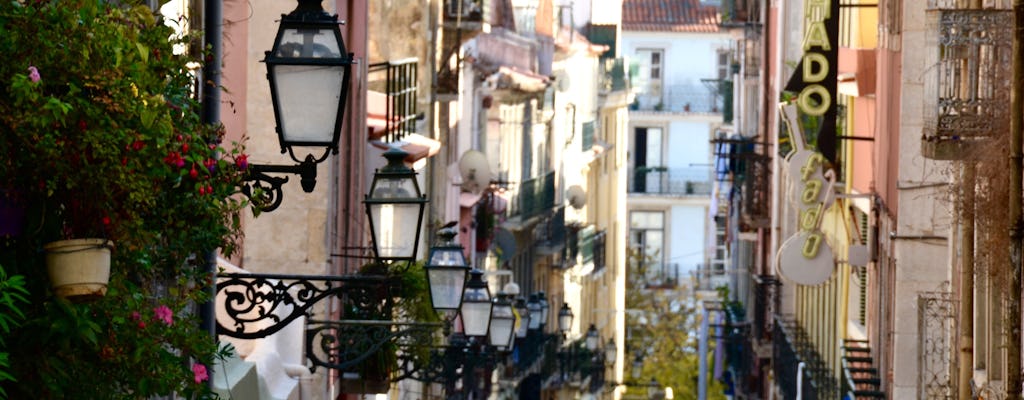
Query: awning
(376, 114)
(510, 78)
(418, 146)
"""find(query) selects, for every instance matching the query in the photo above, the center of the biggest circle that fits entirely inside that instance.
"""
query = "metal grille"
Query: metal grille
(967, 84)
(937, 348)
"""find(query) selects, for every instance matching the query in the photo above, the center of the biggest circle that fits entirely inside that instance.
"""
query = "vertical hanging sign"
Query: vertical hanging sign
(814, 80)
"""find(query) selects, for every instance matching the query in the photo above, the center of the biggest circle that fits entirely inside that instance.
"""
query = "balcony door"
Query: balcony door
(648, 176)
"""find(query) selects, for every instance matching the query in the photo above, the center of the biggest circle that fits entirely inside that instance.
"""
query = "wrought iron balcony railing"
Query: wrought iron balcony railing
(739, 12)
(469, 13)
(694, 181)
(791, 348)
(536, 196)
(616, 75)
(766, 303)
(661, 276)
(967, 86)
(398, 81)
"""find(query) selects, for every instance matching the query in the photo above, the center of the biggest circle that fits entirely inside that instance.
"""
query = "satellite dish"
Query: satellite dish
(561, 80)
(577, 196)
(475, 171)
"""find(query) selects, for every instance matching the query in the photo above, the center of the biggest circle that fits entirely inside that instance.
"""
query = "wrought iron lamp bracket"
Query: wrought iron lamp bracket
(266, 191)
(258, 305)
(344, 344)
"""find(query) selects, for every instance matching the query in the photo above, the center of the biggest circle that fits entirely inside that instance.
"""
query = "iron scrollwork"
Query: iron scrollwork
(343, 345)
(259, 305)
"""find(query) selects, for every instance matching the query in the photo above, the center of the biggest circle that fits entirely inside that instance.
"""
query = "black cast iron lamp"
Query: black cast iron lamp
(476, 305)
(536, 311)
(524, 317)
(593, 338)
(393, 205)
(638, 366)
(447, 271)
(611, 351)
(545, 307)
(565, 319)
(309, 71)
(502, 322)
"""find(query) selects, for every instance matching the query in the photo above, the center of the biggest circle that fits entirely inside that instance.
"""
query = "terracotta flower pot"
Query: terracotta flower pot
(79, 269)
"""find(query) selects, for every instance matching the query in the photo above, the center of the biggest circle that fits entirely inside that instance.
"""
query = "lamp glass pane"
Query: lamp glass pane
(308, 97)
(591, 342)
(564, 322)
(446, 285)
(308, 43)
(447, 257)
(395, 226)
(502, 323)
(476, 316)
(535, 316)
(611, 352)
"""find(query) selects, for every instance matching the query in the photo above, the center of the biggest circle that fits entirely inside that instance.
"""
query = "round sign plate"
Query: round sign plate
(795, 266)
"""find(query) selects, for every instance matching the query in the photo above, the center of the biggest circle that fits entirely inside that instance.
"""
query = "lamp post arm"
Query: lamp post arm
(265, 191)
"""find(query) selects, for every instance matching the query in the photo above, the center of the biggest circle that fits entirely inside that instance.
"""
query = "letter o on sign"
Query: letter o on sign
(808, 107)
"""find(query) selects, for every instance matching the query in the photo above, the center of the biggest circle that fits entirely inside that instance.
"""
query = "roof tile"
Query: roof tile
(669, 16)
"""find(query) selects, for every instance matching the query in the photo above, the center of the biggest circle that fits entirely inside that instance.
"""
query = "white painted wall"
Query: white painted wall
(686, 237)
(689, 57)
(687, 144)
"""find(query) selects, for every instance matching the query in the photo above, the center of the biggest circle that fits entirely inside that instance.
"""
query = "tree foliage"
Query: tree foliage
(661, 329)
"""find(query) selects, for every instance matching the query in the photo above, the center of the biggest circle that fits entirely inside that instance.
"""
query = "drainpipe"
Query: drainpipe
(210, 107)
(800, 380)
(1013, 377)
(967, 282)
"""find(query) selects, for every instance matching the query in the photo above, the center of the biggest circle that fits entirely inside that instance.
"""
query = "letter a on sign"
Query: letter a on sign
(816, 72)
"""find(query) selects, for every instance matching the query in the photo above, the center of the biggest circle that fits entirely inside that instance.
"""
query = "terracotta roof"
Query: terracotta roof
(669, 16)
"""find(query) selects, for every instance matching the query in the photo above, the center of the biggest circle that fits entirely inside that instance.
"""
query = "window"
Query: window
(647, 162)
(647, 237)
(650, 76)
(723, 65)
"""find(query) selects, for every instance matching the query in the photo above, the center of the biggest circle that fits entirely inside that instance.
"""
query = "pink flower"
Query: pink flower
(136, 316)
(199, 372)
(33, 74)
(164, 313)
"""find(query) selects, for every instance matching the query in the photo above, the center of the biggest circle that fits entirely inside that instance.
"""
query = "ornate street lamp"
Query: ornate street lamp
(476, 305)
(309, 71)
(536, 312)
(545, 308)
(502, 323)
(593, 338)
(611, 351)
(394, 202)
(524, 317)
(564, 319)
(638, 366)
(447, 271)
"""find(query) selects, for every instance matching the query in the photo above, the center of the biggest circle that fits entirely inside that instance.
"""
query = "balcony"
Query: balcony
(791, 347)
(591, 242)
(551, 235)
(707, 279)
(395, 84)
(661, 276)
(536, 196)
(692, 181)
(738, 13)
(615, 76)
(967, 86)
(684, 98)
(468, 15)
(766, 303)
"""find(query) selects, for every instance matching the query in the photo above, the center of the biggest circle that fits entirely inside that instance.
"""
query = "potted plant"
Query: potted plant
(100, 136)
